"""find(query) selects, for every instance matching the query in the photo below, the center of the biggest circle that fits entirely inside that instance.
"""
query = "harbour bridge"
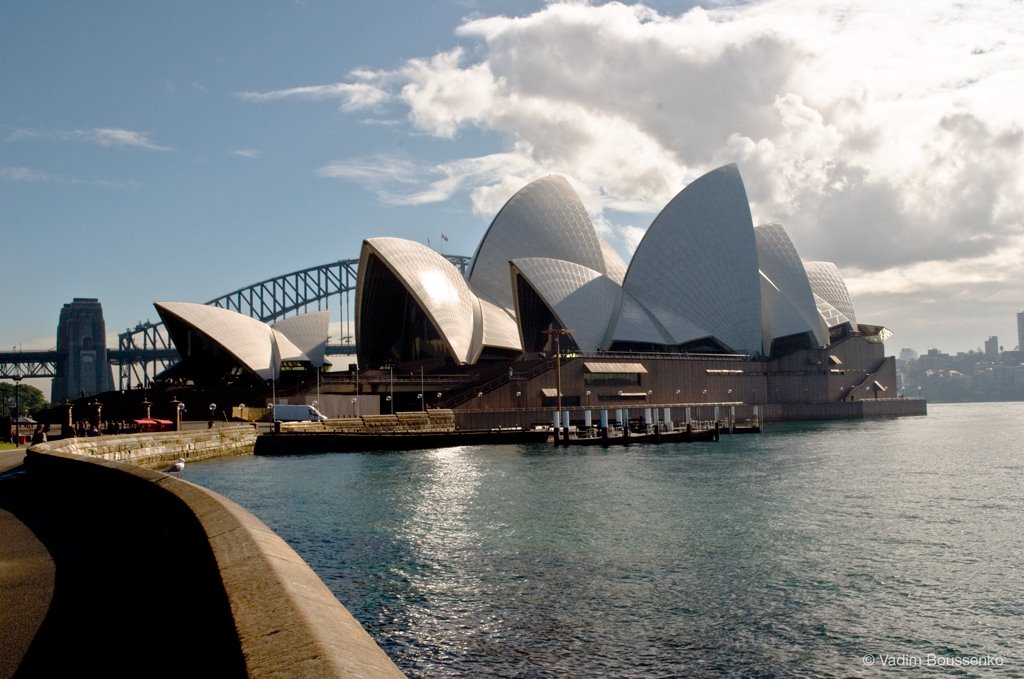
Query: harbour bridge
(145, 351)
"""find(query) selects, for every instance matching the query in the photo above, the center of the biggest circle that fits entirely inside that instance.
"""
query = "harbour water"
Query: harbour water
(854, 548)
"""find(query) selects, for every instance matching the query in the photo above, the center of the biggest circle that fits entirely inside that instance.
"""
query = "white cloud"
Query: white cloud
(868, 148)
(115, 136)
(247, 153)
(18, 135)
(444, 95)
(885, 137)
(953, 304)
(351, 96)
(920, 277)
(403, 181)
(26, 174)
(102, 136)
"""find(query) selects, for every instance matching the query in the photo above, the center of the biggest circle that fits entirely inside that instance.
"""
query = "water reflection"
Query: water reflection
(806, 547)
(438, 505)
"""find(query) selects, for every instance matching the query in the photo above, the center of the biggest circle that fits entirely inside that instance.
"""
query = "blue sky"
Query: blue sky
(178, 151)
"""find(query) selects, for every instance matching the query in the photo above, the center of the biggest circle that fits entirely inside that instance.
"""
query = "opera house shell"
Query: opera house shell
(215, 343)
(703, 280)
(709, 310)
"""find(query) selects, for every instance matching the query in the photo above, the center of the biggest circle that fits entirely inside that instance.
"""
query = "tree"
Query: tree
(30, 399)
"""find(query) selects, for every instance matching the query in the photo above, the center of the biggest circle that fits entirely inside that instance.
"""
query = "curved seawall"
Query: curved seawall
(256, 592)
(160, 449)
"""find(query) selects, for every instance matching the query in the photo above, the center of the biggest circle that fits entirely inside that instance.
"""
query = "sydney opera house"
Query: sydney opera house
(709, 310)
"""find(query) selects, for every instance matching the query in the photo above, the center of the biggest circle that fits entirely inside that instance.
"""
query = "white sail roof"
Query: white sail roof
(634, 323)
(696, 267)
(827, 283)
(250, 341)
(499, 327)
(788, 306)
(829, 314)
(308, 333)
(437, 286)
(543, 219)
(702, 278)
(615, 266)
(583, 300)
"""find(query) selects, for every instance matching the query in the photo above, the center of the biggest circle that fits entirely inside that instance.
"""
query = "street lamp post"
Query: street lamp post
(179, 408)
(17, 409)
(213, 407)
(558, 332)
(320, 368)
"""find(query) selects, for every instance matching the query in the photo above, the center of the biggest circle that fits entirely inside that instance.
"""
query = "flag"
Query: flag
(444, 237)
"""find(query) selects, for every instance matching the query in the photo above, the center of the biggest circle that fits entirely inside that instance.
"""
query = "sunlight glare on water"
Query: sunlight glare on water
(797, 551)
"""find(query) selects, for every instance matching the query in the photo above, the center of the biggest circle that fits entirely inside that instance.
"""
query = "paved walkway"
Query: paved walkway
(92, 587)
(26, 570)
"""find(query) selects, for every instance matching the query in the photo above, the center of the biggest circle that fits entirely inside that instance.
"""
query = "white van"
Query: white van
(297, 413)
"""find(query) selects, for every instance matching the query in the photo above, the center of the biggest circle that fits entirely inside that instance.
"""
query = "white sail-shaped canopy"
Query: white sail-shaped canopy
(543, 219)
(308, 333)
(696, 267)
(438, 313)
(252, 343)
(580, 299)
(703, 279)
(828, 284)
(788, 307)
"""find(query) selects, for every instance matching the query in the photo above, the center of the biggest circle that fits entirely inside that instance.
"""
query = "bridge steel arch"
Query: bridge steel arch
(145, 350)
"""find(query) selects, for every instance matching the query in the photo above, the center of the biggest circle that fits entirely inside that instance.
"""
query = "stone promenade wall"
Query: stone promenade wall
(287, 622)
(429, 420)
(161, 449)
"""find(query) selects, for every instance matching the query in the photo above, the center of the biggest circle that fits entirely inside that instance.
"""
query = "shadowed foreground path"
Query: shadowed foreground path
(26, 578)
(134, 593)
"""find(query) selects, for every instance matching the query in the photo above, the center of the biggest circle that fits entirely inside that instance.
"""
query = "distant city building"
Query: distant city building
(82, 367)
(992, 347)
(967, 376)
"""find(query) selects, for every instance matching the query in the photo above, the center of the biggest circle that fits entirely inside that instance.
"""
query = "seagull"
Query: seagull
(177, 466)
